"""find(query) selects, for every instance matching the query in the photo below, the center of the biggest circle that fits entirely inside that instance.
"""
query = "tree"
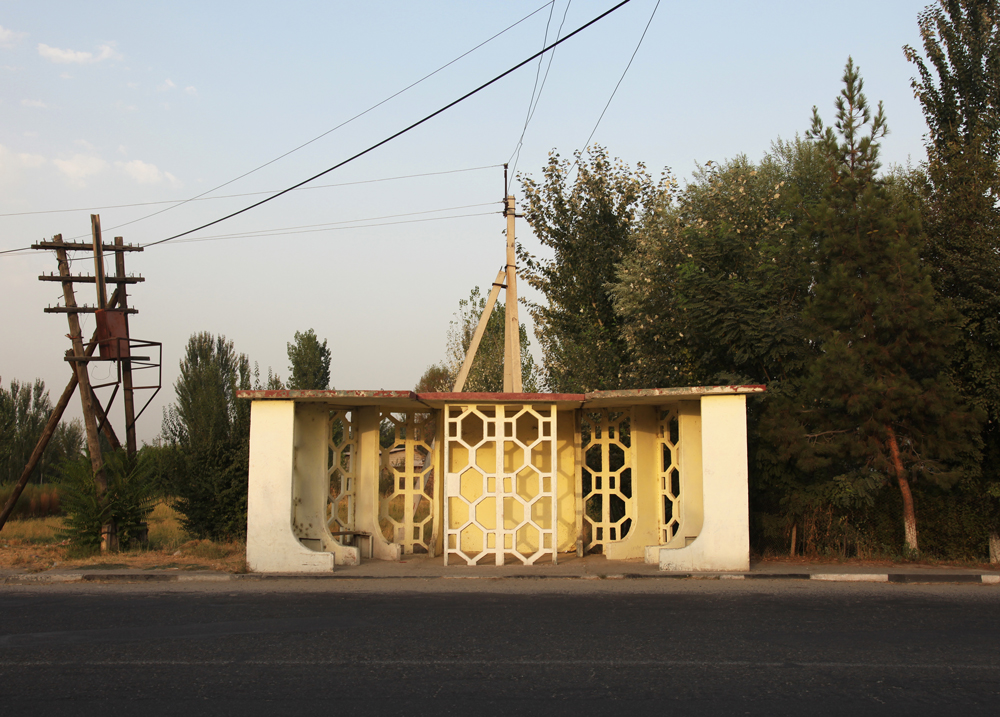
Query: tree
(714, 294)
(436, 379)
(715, 288)
(877, 403)
(209, 428)
(959, 91)
(589, 228)
(309, 367)
(486, 373)
(24, 411)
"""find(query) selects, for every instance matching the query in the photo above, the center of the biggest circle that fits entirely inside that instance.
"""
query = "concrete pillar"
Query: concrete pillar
(312, 484)
(645, 491)
(366, 515)
(723, 544)
(272, 546)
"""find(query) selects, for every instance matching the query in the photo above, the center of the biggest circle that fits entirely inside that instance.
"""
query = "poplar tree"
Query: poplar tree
(958, 87)
(877, 404)
(587, 225)
(309, 367)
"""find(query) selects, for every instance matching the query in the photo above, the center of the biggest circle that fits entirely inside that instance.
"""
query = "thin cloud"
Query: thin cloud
(167, 85)
(34, 103)
(80, 166)
(8, 38)
(191, 90)
(146, 173)
(78, 57)
(31, 160)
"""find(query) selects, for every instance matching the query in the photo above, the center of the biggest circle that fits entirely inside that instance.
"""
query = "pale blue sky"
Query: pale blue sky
(120, 102)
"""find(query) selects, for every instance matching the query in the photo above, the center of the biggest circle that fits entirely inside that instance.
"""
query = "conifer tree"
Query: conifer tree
(877, 404)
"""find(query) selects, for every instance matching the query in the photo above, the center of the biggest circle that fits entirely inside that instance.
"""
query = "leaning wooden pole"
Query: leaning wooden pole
(47, 433)
(36, 455)
(108, 537)
(477, 337)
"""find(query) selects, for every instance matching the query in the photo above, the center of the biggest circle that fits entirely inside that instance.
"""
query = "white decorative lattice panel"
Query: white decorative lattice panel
(342, 466)
(668, 447)
(500, 483)
(609, 509)
(407, 508)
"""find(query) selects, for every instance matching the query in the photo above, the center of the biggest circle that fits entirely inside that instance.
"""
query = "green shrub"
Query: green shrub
(128, 501)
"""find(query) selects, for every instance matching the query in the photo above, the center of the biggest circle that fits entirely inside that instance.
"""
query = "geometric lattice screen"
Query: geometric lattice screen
(609, 509)
(342, 466)
(407, 509)
(500, 483)
(668, 449)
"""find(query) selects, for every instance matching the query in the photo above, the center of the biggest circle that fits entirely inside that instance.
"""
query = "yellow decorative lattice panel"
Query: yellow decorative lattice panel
(500, 482)
(408, 512)
(342, 467)
(668, 448)
(609, 509)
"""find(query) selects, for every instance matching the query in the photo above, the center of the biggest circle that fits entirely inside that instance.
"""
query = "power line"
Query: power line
(533, 104)
(402, 131)
(342, 124)
(538, 72)
(353, 221)
(587, 144)
(278, 233)
(333, 226)
(251, 194)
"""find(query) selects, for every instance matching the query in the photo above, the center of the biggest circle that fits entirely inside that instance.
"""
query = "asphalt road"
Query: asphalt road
(632, 647)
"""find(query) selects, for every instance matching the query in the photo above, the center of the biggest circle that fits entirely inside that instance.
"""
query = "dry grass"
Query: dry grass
(33, 545)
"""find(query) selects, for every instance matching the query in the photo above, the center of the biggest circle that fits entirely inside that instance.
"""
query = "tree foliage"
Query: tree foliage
(877, 402)
(958, 87)
(128, 501)
(587, 224)
(486, 373)
(24, 411)
(715, 288)
(209, 428)
(309, 362)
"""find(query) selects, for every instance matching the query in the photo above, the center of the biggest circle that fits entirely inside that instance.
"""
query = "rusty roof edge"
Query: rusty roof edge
(473, 396)
(448, 397)
(285, 394)
(679, 391)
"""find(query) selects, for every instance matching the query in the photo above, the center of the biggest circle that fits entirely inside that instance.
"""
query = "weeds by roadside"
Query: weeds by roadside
(33, 545)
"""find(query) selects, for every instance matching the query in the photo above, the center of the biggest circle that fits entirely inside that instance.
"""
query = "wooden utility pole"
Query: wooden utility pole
(109, 540)
(113, 341)
(512, 326)
(129, 398)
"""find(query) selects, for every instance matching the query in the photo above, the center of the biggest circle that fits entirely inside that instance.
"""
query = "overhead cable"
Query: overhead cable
(587, 143)
(400, 132)
(252, 194)
(342, 124)
(279, 233)
(353, 221)
(533, 104)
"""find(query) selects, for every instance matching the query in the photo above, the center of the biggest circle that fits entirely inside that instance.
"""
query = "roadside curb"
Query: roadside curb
(141, 577)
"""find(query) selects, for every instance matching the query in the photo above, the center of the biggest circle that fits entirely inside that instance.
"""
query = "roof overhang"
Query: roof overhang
(415, 401)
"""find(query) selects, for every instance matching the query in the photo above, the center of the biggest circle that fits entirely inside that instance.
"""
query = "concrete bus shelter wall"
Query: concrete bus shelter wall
(288, 515)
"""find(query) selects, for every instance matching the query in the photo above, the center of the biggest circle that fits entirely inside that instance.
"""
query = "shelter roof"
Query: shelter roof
(412, 400)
